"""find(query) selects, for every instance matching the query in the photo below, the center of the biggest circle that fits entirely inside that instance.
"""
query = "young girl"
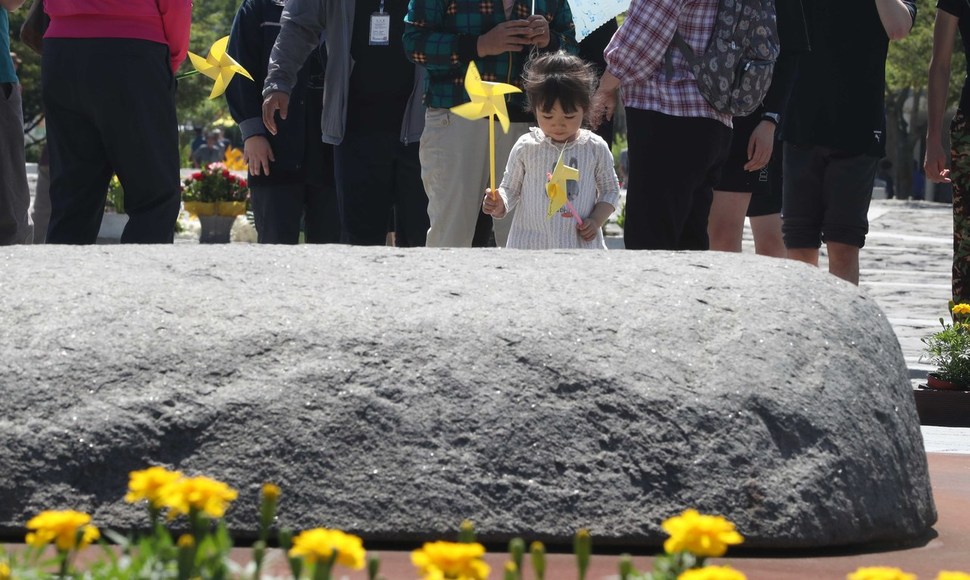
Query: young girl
(559, 88)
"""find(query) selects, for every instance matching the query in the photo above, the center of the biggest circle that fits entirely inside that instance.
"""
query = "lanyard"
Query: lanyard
(382, 7)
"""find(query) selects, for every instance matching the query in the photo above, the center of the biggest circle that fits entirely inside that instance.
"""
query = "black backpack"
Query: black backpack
(734, 72)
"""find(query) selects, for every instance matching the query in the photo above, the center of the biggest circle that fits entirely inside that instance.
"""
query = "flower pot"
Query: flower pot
(215, 228)
(933, 381)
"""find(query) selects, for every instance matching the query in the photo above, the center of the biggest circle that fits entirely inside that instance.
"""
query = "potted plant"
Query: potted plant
(217, 197)
(114, 219)
(949, 350)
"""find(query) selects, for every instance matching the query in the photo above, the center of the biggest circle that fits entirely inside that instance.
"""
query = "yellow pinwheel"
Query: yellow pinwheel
(556, 188)
(487, 99)
(218, 66)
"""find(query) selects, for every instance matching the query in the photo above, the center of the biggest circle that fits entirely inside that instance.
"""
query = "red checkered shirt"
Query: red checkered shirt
(636, 56)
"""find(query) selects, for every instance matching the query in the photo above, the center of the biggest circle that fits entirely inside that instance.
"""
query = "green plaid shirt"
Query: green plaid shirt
(442, 36)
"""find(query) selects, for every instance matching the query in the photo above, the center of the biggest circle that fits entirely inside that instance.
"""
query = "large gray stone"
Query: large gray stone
(394, 393)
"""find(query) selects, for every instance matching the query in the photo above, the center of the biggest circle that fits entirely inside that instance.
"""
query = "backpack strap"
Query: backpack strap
(678, 42)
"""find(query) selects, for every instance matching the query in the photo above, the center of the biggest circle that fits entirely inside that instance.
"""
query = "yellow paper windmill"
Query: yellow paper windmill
(218, 66)
(556, 188)
(487, 99)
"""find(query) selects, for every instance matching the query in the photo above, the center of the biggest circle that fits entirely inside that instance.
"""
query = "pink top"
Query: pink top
(162, 21)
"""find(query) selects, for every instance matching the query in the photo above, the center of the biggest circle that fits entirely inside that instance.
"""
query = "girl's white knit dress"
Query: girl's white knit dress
(532, 159)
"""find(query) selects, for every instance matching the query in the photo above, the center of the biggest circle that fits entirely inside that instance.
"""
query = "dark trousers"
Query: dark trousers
(377, 174)
(674, 164)
(110, 108)
(280, 210)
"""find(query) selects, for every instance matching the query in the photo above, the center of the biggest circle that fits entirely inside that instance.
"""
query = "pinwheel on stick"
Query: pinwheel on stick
(487, 99)
(217, 65)
(556, 188)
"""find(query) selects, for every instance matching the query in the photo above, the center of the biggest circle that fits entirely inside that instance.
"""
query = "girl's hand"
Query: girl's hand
(589, 229)
(493, 207)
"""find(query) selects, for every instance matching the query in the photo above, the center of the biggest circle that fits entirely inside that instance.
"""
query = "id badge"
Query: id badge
(380, 29)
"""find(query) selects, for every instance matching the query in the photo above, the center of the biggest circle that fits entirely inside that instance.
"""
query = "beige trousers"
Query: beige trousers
(455, 171)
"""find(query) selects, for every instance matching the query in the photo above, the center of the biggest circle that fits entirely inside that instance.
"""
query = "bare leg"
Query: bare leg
(725, 224)
(844, 261)
(766, 230)
(807, 255)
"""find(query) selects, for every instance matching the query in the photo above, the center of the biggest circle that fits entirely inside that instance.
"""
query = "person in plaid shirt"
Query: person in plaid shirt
(677, 142)
(444, 36)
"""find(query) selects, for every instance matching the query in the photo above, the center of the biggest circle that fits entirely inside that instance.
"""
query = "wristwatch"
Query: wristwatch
(773, 117)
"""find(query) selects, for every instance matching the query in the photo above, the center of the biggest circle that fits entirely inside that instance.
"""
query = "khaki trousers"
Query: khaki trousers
(455, 170)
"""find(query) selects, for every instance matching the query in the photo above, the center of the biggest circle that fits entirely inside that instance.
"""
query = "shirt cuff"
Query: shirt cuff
(251, 127)
(276, 87)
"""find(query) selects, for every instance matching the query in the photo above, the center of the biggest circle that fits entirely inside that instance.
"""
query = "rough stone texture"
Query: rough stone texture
(394, 393)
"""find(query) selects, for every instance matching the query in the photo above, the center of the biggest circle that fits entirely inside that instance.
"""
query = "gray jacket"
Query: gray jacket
(303, 24)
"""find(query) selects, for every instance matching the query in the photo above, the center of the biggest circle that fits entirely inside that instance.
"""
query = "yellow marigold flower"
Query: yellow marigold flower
(943, 575)
(880, 573)
(454, 561)
(701, 535)
(271, 492)
(61, 528)
(148, 483)
(319, 544)
(203, 494)
(4, 571)
(186, 541)
(712, 573)
(961, 309)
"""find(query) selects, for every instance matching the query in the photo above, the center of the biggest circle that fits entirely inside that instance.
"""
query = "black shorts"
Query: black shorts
(769, 201)
(827, 194)
(733, 175)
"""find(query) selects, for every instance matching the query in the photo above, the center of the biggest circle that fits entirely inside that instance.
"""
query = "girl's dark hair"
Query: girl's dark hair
(558, 77)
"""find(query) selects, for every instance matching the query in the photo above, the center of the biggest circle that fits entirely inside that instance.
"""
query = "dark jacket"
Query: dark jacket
(254, 31)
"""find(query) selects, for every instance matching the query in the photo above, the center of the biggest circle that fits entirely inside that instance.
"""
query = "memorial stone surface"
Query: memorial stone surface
(394, 393)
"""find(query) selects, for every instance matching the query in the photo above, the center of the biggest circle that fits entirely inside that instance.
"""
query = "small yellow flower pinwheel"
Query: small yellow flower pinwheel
(487, 99)
(218, 66)
(556, 188)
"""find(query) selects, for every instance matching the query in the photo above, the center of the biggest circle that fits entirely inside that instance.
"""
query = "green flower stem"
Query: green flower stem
(583, 546)
(65, 564)
(538, 553)
(259, 551)
(373, 566)
(517, 551)
(322, 569)
(626, 566)
(286, 542)
(466, 533)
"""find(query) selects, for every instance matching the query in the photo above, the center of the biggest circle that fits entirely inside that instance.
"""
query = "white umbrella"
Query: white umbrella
(588, 15)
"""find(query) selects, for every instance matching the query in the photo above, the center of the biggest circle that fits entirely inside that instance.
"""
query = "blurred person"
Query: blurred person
(212, 151)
